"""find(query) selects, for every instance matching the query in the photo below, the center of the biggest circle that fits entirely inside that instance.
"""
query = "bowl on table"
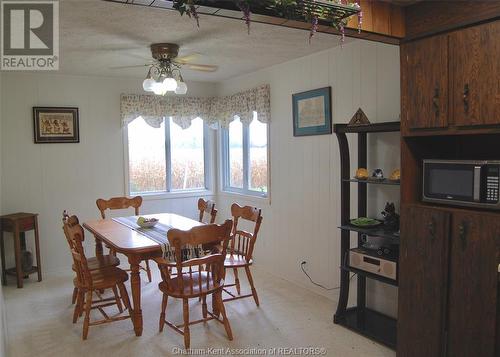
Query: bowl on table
(147, 222)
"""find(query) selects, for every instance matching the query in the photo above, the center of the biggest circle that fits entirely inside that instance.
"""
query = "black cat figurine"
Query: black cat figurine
(391, 218)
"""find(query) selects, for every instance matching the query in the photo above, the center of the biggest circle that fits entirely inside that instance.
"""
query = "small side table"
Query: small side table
(18, 224)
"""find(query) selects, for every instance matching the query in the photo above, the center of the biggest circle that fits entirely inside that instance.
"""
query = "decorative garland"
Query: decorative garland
(312, 11)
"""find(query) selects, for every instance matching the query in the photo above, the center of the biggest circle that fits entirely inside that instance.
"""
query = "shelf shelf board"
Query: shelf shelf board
(370, 275)
(371, 324)
(376, 232)
(369, 128)
(374, 182)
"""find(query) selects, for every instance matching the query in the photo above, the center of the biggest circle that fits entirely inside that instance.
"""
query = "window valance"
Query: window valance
(183, 110)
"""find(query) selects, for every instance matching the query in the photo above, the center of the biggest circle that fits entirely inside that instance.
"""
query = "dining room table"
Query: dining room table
(124, 236)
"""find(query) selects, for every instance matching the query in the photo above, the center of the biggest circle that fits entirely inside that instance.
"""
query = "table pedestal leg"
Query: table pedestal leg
(135, 283)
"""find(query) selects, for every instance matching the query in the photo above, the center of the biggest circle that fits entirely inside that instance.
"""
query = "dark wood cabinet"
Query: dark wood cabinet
(448, 282)
(425, 81)
(475, 80)
(472, 303)
(451, 82)
(422, 269)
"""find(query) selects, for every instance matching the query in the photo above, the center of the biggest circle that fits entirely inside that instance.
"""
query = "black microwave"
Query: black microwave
(462, 182)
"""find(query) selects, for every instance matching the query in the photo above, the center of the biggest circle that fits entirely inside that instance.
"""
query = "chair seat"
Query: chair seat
(235, 261)
(106, 278)
(105, 261)
(173, 288)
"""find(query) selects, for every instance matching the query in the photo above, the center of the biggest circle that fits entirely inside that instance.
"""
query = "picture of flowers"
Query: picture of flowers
(56, 125)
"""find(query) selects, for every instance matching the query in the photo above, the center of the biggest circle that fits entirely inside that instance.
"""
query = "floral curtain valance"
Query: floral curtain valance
(212, 110)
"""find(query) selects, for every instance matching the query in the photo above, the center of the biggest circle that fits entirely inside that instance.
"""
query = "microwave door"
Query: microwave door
(452, 182)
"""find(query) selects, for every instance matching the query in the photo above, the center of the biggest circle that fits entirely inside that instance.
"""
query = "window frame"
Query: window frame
(169, 192)
(225, 166)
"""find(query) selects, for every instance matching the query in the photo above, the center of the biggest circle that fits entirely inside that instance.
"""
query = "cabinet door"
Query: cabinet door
(423, 268)
(425, 83)
(474, 258)
(475, 75)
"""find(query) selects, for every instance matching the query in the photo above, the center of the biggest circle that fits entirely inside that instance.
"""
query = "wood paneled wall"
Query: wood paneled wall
(381, 17)
(428, 17)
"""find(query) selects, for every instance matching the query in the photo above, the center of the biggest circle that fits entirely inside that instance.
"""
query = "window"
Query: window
(168, 158)
(244, 161)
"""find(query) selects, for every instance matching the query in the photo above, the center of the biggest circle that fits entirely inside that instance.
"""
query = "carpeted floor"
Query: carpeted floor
(39, 324)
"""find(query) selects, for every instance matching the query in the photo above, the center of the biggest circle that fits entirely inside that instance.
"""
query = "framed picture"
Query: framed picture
(312, 112)
(56, 125)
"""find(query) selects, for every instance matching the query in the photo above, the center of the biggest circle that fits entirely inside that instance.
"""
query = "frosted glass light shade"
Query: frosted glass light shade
(159, 88)
(181, 88)
(170, 84)
(148, 84)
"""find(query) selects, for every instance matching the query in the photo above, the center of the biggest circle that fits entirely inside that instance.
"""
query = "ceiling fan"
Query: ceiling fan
(164, 73)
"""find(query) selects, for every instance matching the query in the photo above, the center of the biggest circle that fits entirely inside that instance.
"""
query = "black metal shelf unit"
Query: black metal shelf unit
(361, 319)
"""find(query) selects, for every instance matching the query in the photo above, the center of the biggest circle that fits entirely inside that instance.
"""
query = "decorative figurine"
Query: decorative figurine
(391, 218)
(378, 174)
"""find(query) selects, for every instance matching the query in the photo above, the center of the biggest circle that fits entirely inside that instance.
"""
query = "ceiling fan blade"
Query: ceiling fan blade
(201, 67)
(188, 58)
(134, 66)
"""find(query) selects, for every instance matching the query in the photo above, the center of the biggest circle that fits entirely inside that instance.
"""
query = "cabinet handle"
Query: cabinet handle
(462, 234)
(432, 228)
(466, 98)
(435, 101)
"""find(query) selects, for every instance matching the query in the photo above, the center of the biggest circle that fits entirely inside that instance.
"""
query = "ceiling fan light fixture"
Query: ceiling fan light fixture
(149, 82)
(181, 88)
(170, 84)
(159, 88)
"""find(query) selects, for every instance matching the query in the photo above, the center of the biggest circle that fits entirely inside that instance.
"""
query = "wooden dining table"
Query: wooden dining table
(136, 247)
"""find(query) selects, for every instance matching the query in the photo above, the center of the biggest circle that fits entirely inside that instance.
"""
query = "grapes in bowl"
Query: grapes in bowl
(144, 222)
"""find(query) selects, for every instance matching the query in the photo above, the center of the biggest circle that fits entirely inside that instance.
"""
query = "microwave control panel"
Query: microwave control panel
(492, 183)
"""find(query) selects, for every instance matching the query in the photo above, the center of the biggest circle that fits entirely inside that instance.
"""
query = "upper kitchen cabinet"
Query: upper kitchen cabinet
(425, 83)
(451, 82)
(475, 80)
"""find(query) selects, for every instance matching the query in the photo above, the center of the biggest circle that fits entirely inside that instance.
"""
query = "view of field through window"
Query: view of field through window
(257, 155)
(148, 160)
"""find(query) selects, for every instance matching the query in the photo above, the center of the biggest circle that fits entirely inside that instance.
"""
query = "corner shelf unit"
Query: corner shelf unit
(360, 319)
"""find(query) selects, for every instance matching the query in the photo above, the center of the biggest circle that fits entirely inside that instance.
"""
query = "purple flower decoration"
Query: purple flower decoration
(245, 7)
(314, 27)
(194, 13)
(342, 32)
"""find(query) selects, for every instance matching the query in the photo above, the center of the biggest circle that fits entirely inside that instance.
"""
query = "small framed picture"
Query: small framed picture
(56, 125)
(312, 112)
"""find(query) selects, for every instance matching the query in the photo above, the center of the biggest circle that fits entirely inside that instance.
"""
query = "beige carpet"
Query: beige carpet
(39, 323)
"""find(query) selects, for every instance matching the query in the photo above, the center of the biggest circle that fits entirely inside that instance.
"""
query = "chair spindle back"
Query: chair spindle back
(243, 242)
(188, 272)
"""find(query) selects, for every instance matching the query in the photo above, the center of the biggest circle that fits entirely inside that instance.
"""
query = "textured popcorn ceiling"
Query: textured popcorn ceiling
(97, 35)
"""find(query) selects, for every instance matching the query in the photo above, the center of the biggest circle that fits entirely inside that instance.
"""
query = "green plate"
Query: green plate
(364, 222)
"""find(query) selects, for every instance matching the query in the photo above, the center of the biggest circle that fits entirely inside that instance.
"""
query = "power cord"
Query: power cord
(317, 284)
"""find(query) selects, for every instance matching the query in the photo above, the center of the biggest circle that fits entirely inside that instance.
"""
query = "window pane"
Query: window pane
(236, 153)
(188, 159)
(146, 152)
(258, 156)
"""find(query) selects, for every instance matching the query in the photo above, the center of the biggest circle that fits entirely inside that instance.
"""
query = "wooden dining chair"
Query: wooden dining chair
(89, 282)
(207, 207)
(122, 203)
(94, 263)
(190, 280)
(241, 249)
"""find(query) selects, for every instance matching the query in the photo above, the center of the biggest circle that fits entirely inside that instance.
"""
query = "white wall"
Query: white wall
(3, 324)
(301, 219)
(48, 178)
